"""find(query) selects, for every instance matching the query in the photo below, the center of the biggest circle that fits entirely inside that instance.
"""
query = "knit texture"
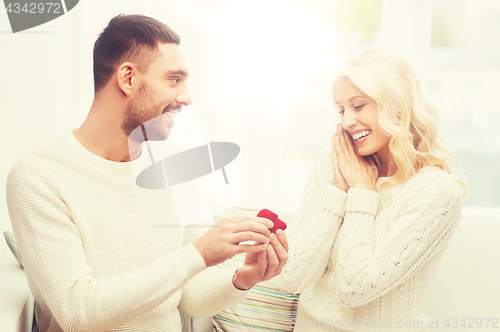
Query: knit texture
(101, 253)
(365, 256)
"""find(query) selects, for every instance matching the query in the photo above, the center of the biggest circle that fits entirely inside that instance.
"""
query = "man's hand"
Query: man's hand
(263, 265)
(221, 241)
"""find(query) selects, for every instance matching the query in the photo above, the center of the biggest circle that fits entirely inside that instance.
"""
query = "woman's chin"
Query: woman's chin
(364, 152)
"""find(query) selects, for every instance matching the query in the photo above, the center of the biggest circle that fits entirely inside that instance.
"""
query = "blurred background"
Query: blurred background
(261, 77)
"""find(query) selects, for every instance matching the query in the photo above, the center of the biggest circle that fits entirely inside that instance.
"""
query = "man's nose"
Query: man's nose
(184, 98)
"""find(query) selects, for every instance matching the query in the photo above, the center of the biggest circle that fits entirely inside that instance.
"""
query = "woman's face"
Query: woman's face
(359, 118)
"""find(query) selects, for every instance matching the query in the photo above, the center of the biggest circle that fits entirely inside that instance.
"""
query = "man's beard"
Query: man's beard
(141, 121)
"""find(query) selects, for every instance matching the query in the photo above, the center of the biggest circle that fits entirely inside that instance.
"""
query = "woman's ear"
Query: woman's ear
(126, 78)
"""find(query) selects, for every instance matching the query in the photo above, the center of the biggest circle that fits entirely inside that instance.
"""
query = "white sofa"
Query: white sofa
(16, 302)
(466, 286)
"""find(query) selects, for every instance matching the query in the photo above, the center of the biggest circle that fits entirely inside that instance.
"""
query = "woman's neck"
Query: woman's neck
(387, 167)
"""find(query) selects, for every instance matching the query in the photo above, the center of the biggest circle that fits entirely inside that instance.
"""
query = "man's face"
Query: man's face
(161, 94)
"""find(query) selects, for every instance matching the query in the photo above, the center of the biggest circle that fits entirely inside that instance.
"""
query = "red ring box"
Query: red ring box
(278, 224)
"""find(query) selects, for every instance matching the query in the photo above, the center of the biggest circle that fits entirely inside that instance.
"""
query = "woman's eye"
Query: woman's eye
(341, 111)
(358, 107)
(175, 80)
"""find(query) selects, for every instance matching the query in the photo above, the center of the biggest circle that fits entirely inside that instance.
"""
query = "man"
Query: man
(93, 257)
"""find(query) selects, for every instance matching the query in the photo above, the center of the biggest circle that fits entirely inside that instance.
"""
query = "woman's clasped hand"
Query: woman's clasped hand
(351, 169)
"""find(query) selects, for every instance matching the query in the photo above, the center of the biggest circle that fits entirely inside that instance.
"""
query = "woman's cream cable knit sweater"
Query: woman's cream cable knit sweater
(356, 258)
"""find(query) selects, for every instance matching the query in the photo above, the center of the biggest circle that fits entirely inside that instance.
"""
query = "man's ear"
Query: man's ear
(126, 78)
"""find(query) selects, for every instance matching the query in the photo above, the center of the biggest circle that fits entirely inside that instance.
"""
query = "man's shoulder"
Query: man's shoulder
(45, 154)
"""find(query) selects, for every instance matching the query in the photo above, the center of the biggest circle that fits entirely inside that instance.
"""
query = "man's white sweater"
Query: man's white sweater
(101, 253)
(365, 256)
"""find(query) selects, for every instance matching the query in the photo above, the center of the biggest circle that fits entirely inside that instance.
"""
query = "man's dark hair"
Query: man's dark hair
(131, 38)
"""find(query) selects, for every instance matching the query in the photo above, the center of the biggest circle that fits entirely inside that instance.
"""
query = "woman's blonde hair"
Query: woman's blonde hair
(403, 112)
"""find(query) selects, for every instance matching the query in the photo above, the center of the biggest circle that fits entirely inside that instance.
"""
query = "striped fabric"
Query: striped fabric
(11, 242)
(187, 321)
(268, 306)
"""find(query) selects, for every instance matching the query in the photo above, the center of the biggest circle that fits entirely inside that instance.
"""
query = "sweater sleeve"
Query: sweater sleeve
(366, 271)
(54, 256)
(314, 227)
(198, 300)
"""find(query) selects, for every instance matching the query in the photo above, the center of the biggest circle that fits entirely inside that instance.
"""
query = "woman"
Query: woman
(380, 206)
